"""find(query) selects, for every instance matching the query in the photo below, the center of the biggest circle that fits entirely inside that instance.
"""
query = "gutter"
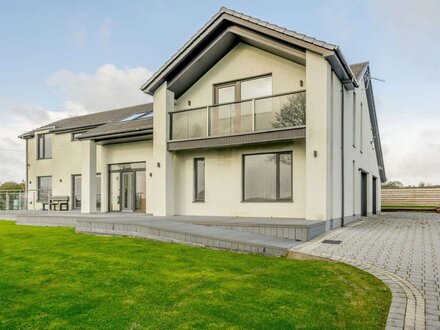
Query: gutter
(342, 70)
(110, 135)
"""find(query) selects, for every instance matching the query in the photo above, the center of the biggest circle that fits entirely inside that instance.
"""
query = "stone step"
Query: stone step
(188, 233)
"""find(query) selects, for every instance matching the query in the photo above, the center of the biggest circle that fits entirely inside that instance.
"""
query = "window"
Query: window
(354, 119)
(76, 185)
(199, 180)
(44, 186)
(243, 89)
(258, 87)
(140, 115)
(44, 146)
(361, 141)
(267, 177)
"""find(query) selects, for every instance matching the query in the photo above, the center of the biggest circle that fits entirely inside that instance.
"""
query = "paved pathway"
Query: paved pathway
(403, 249)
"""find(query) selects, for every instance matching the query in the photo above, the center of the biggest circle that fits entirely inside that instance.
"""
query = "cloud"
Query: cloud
(109, 87)
(412, 150)
(20, 118)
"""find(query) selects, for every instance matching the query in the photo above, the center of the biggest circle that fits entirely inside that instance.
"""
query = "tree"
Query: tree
(292, 112)
(7, 186)
(392, 185)
(10, 192)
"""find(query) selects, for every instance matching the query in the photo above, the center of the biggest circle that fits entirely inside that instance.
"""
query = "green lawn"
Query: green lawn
(52, 278)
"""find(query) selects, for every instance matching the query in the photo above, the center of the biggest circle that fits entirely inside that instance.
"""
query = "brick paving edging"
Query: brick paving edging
(407, 310)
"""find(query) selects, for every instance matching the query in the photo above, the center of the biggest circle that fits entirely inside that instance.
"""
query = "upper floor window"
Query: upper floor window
(136, 116)
(354, 119)
(243, 89)
(44, 146)
(361, 139)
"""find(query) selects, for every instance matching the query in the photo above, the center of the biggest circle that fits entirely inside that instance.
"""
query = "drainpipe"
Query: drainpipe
(26, 186)
(342, 157)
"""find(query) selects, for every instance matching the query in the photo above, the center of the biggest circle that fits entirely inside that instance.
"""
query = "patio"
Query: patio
(273, 236)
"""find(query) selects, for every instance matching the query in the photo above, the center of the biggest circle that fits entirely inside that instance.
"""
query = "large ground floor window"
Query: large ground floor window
(76, 191)
(44, 186)
(127, 187)
(267, 177)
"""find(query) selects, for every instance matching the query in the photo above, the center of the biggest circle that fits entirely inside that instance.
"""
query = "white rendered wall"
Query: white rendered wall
(223, 183)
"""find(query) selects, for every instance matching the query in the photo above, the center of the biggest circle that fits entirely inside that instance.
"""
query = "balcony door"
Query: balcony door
(233, 113)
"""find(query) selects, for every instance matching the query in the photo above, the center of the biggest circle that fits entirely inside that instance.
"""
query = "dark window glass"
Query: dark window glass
(77, 191)
(44, 146)
(199, 184)
(98, 191)
(44, 186)
(268, 177)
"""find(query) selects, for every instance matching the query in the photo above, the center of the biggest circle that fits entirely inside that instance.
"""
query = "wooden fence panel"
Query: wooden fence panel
(411, 197)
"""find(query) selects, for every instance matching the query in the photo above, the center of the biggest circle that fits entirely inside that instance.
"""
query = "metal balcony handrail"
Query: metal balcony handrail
(237, 102)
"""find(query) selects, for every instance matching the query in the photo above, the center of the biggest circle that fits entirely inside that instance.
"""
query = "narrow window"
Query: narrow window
(267, 177)
(362, 129)
(354, 119)
(76, 183)
(199, 180)
(44, 146)
(44, 186)
(354, 188)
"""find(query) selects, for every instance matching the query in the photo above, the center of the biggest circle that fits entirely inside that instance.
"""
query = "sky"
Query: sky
(62, 58)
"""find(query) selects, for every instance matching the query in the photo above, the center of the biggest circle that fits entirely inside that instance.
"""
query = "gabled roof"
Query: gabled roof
(359, 69)
(362, 72)
(119, 127)
(221, 33)
(91, 121)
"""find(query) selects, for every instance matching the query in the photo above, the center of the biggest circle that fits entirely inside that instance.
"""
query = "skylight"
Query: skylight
(140, 115)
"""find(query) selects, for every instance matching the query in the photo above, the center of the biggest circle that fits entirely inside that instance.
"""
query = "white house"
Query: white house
(249, 119)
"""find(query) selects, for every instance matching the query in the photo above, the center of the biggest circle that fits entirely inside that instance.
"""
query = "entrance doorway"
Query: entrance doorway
(374, 195)
(127, 187)
(364, 181)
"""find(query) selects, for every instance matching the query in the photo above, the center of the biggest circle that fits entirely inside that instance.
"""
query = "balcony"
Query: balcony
(270, 118)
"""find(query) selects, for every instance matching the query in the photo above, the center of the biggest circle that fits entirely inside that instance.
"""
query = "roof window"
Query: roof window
(140, 115)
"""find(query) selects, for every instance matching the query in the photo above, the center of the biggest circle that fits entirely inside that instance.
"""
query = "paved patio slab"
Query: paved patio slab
(402, 249)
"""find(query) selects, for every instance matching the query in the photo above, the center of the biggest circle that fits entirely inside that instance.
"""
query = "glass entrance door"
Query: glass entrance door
(127, 187)
(128, 192)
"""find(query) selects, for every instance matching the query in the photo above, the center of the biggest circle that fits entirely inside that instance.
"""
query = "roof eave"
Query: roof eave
(116, 134)
(312, 44)
(375, 126)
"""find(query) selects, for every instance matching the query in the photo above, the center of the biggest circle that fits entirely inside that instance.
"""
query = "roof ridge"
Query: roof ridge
(222, 11)
(301, 36)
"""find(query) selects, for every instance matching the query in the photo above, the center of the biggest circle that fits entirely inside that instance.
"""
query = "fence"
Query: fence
(18, 200)
(411, 198)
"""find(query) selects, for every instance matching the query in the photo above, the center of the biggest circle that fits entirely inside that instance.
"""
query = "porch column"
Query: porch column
(318, 189)
(163, 167)
(88, 176)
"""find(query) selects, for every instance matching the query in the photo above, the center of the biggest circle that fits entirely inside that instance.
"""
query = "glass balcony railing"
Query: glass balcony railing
(255, 115)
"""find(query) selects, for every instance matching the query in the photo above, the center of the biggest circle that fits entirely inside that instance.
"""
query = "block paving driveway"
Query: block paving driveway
(402, 249)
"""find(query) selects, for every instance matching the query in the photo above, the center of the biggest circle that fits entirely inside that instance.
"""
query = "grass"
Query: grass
(52, 278)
